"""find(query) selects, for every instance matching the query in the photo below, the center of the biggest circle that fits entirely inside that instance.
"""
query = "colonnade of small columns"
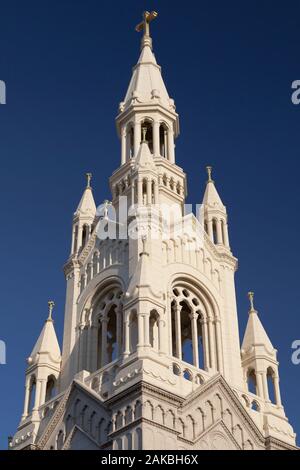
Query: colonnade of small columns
(260, 380)
(131, 136)
(211, 338)
(217, 230)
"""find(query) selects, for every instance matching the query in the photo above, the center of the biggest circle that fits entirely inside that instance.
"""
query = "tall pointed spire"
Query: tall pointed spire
(147, 85)
(87, 204)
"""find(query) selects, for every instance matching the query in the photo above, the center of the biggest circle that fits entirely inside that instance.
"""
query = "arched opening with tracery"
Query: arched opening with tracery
(101, 330)
(195, 335)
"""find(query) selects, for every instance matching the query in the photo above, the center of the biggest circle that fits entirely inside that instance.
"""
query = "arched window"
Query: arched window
(149, 133)
(194, 336)
(223, 231)
(128, 441)
(85, 234)
(133, 332)
(200, 342)
(138, 439)
(145, 191)
(32, 390)
(129, 142)
(163, 140)
(215, 233)
(251, 380)
(75, 245)
(153, 330)
(50, 388)
(60, 440)
(271, 388)
(186, 333)
(112, 348)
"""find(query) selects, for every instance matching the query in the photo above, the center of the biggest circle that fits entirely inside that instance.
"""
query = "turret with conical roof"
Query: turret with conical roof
(84, 217)
(43, 368)
(259, 358)
(215, 215)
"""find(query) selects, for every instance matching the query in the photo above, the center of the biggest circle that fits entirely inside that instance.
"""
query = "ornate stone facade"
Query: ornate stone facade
(151, 355)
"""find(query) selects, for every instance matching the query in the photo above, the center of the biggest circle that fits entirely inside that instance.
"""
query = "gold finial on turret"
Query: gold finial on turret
(251, 299)
(51, 305)
(88, 179)
(209, 173)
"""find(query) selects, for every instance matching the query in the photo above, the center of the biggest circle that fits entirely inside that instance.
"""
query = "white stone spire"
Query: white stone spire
(46, 348)
(215, 214)
(255, 335)
(147, 85)
(87, 206)
(211, 196)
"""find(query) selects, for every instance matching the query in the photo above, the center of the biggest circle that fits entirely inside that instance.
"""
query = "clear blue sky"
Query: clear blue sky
(229, 67)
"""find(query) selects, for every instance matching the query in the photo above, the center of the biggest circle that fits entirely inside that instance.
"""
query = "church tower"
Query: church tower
(151, 355)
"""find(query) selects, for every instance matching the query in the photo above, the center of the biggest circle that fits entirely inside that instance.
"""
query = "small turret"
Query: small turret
(259, 359)
(43, 367)
(215, 215)
(83, 217)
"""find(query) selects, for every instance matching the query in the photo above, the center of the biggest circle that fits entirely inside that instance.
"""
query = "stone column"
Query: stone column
(219, 232)
(149, 191)
(37, 395)
(43, 391)
(27, 395)
(265, 386)
(193, 318)
(210, 230)
(219, 344)
(146, 329)
(126, 336)
(156, 193)
(205, 345)
(277, 390)
(140, 320)
(259, 385)
(123, 145)
(119, 315)
(178, 331)
(140, 191)
(171, 151)
(137, 137)
(104, 341)
(156, 150)
(161, 348)
(212, 343)
(226, 238)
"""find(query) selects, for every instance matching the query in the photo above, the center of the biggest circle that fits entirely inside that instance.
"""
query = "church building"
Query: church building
(151, 355)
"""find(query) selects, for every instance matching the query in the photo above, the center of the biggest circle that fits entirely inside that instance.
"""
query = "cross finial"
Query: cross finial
(209, 173)
(251, 299)
(51, 305)
(88, 179)
(144, 132)
(145, 26)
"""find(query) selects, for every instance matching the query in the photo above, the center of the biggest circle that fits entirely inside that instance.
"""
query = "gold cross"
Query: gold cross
(145, 24)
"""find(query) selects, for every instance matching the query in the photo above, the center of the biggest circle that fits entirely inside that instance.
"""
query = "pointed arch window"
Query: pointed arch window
(149, 133)
(251, 381)
(163, 140)
(32, 393)
(271, 384)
